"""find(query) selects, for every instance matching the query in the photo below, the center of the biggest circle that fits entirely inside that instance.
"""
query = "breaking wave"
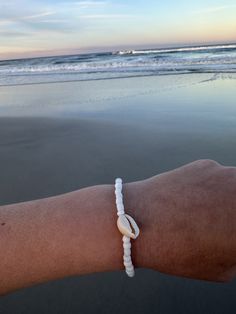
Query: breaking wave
(202, 59)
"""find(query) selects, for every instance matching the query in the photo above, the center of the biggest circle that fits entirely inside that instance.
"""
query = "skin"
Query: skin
(187, 219)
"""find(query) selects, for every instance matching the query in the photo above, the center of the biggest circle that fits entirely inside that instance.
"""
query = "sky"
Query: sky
(31, 28)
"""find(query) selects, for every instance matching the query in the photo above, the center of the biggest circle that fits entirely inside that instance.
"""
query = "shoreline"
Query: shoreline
(206, 73)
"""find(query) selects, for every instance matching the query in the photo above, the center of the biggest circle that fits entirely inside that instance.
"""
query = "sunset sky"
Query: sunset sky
(48, 27)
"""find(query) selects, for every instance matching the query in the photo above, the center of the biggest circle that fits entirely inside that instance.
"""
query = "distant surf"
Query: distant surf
(120, 64)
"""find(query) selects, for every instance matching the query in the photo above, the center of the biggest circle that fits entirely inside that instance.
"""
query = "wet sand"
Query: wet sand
(62, 148)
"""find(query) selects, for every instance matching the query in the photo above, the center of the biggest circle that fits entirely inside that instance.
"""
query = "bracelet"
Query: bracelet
(124, 224)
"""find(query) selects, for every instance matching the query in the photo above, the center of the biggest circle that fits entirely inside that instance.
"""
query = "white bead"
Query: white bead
(128, 264)
(119, 200)
(120, 207)
(125, 239)
(127, 252)
(120, 210)
(120, 213)
(130, 268)
(127, 245)
(119, 203)
(119, 197)
(130, 274)
(127, 258)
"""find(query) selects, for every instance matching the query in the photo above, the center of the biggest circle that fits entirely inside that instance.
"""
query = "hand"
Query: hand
(188, 221)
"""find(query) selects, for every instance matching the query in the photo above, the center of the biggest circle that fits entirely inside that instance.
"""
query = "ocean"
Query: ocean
(119, 64)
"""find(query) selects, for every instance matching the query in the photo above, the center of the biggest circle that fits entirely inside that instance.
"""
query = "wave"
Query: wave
(136, 65)
(168, 50)
(204, 59)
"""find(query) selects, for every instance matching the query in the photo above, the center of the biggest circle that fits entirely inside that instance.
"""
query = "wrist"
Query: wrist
(136, 206)
(147, 202)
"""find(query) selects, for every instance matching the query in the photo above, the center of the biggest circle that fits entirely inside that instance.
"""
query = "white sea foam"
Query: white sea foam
(184, 49)
(207, 59)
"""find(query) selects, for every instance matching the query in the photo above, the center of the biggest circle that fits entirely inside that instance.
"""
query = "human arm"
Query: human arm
(187, 219)
(191, 221)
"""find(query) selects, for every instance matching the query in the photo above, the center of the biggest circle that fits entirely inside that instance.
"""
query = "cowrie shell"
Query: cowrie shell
(124, 223)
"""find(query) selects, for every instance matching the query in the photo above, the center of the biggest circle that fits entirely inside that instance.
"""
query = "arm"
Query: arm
(187, 219)
(60, 236)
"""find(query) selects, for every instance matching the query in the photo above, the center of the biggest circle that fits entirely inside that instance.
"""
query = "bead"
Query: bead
(127, 245)
(127, 252)
(130, 274)
(120, 207)
(119, 199)
(126, 239)
(126, 258)
(128, 264)
(119, 203)
(130, 268)
(120, 213)
(118, 180)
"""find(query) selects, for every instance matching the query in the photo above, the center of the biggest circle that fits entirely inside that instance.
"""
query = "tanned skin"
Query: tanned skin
(187, 220)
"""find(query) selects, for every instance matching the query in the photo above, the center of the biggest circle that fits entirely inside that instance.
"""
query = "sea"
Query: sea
(119, 64)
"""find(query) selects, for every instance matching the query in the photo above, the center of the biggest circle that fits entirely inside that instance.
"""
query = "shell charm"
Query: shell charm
(124, 223)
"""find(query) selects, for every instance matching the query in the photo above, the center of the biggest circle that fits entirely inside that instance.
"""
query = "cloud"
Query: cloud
(214, 9)
(13, 34)
(105, 16)
(89, 4)
(39, 15)
(52, 15)
(25, 18)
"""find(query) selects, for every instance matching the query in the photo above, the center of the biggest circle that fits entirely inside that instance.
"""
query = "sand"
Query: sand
(63, 146)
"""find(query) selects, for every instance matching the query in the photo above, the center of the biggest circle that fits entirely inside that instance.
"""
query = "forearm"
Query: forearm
(187, 220)
(70, 234)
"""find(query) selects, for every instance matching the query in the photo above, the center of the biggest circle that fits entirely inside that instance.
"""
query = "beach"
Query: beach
(62, 136)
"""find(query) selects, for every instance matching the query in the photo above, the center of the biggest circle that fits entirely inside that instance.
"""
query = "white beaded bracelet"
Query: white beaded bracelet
(124, 224)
